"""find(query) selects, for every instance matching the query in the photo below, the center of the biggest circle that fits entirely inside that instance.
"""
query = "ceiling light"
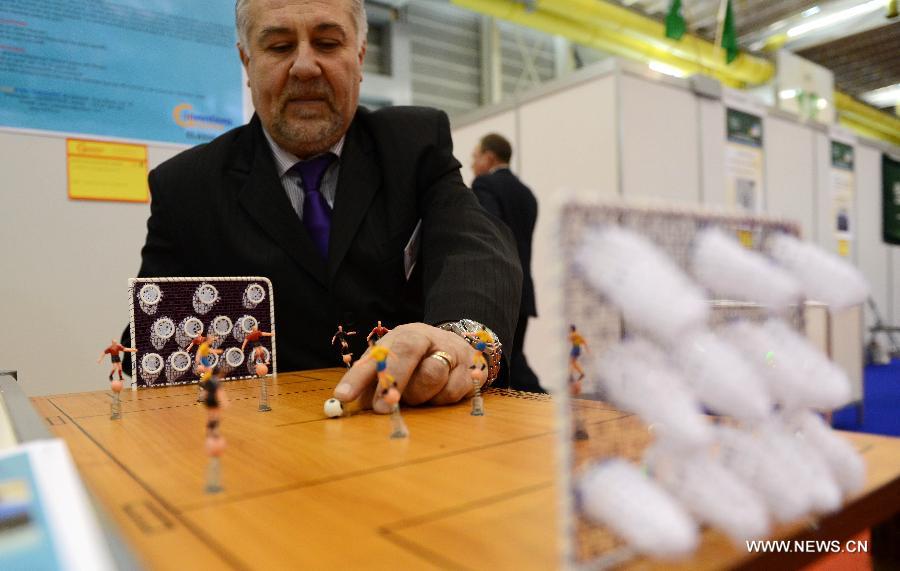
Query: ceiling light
(885, 97)
(821, 103)
(811, 12)
(787, 93)
(835, 18)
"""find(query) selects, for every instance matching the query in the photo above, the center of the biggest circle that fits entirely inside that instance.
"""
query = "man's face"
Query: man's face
(304, 65)
(482, 161)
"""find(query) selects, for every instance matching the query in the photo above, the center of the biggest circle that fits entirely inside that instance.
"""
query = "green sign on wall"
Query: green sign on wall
(890, 199)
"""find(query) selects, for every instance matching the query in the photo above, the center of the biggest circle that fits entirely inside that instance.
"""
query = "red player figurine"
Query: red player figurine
(377, 333)
(341, 336)
(255, 337)
(215, 400)
(116, 385)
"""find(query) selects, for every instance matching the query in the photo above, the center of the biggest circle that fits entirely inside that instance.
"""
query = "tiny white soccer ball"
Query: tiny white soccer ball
(333, 408)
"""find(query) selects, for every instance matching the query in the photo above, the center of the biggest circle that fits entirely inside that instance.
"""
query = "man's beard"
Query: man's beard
(312, 134)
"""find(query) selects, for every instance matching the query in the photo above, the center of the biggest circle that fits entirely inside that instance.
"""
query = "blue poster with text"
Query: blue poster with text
(157, 70)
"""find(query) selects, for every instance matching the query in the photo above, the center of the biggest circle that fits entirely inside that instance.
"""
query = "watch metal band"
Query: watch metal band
(492, 353)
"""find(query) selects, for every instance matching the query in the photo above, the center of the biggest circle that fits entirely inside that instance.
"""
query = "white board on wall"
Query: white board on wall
(790, 172)
(660, 141)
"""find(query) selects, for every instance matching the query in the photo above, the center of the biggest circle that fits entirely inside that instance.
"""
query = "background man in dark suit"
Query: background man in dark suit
(355, 216)
(502, 194)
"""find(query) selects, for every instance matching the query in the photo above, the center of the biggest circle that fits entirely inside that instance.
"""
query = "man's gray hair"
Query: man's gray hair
(242, 20)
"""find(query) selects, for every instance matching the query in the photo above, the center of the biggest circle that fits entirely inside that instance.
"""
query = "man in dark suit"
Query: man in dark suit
(502, 194)
(355, 216)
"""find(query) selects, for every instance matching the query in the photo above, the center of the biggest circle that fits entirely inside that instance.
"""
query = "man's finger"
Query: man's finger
(459, 385)
(407, 346)
(354, 382)
(428, 379)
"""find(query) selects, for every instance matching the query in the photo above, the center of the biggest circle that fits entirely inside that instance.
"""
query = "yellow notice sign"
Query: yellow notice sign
(844, 248)
(107, 171)
(745, 237)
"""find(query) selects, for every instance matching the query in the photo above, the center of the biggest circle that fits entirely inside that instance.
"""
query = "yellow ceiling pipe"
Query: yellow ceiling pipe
(747, 68)
(619, 39)
(853, 112)
(517, 13)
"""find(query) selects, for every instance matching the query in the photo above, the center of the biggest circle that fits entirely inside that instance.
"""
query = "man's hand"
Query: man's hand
(420, 377)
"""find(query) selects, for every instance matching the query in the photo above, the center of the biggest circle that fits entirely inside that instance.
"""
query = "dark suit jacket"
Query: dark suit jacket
(220, 209)
(503, 195)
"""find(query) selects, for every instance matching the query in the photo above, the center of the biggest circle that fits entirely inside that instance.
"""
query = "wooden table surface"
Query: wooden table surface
(304, 491)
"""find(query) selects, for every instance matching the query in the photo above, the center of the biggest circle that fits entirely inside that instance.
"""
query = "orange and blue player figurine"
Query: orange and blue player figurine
(478, 370)
(377, 333)
(196, 341)
(204, 362)
(387, 389)
(577, 342)
(340, 336)
(115, 408)
(215, 400)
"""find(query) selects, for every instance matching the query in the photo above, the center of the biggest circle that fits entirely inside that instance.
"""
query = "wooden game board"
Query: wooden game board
(303, 491)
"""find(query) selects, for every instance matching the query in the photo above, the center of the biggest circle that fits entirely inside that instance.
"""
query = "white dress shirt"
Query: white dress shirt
(292, 183)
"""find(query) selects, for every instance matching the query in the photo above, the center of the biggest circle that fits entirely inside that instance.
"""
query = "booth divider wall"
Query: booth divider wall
(65, 267)
(619, 130)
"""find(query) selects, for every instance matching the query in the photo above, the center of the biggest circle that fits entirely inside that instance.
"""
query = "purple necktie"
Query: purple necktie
(316, 213)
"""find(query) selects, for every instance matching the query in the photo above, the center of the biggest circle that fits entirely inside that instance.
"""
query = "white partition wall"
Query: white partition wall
(623, 132)
(65, 268)
(791, 172)
(660, 141)
(873, 255)
(711, 120)
(567, 140)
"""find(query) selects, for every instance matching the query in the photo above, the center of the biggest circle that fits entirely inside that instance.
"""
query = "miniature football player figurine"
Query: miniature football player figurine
(254, 337)
(387, 389)
(478, 370)
(340, 336)
(377, 333)
(113, 351)
(203, 360)
(196, 341)
(577, 342)
(215, 400)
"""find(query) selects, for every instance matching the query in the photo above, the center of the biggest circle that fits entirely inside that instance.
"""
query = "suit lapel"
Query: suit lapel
(358, 181)
(264, 199)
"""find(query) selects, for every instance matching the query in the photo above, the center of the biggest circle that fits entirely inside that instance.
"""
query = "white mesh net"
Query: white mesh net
(161, 331)
(205, 297)
(149, 298)
(152, 365)
(253, 295)
(189, 328)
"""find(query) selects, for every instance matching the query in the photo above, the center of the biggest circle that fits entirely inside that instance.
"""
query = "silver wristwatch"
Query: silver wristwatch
(466, 328)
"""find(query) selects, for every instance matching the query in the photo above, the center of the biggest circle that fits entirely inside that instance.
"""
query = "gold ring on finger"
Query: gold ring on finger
(443, 357)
